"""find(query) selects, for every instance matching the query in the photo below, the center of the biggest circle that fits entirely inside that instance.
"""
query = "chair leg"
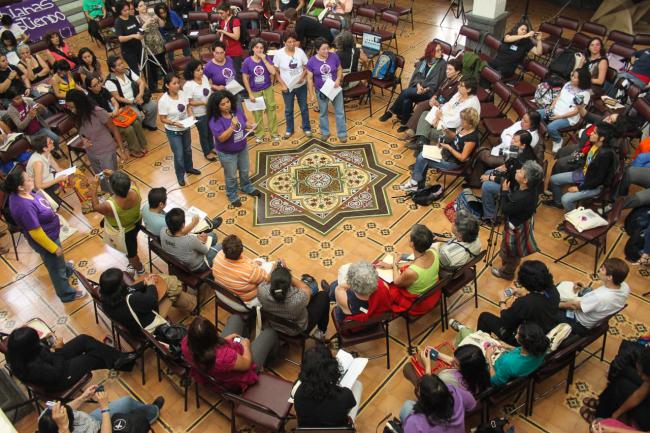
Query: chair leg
(196, 394)
(186, 385)
(475, 290)
(387, 346)
(96, 316)
(142, 368)
(569, 376)
(602, 350)
(408, 335)
(15, 244)
(158, 366)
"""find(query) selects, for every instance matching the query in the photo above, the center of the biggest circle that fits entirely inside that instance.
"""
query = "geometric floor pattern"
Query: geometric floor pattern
(320, 184)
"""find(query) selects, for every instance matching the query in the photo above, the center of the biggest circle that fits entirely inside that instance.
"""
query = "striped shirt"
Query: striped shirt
(239, 276)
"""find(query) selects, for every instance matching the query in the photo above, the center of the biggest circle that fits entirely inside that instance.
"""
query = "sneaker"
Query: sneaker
(409, 185)
(324, 137)
(455, 325)
(236, 203)
(548, 192)
(343, 139)
(255, 193)
(384, 117)
(159, 402)
(276, 138)
(552, 203)
(402, 128)
(216, 222)
(79, 294)
(497, 273)
(130, 270)
(181, 182)
(287, 134)
(308, 134)
(557, 145)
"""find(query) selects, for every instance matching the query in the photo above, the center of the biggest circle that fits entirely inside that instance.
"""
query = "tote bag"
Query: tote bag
(114, 237)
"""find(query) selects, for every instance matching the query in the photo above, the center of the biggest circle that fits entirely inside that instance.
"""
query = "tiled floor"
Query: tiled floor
(26, 291)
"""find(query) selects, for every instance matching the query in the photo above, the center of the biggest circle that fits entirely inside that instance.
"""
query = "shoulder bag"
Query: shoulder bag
(114, 237)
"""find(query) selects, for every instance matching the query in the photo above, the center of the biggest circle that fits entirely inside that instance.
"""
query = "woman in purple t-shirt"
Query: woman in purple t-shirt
(256, 74)
(322, 68)
(41, 226)
(228, 126)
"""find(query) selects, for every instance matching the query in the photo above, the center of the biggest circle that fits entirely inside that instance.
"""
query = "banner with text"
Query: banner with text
(37, 17)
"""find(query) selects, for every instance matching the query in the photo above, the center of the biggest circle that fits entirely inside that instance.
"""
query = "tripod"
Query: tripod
(457, 8)
(493, 239)
(148, 57)
(524, 18)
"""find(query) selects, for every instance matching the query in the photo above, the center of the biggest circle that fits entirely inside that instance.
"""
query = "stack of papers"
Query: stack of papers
(329, 90)
(351, 367)
(66, 172)
(386, 274)
(203, 224)
(432, 152)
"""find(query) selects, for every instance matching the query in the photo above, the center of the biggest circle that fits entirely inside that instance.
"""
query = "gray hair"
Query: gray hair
(362, 278)
(467, 226)
(23, 47)
(533, 172)
(344, 41)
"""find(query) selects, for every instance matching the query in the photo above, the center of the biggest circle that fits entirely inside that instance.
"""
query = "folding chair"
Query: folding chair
(353, 332)
(462, 277)
(362, 90)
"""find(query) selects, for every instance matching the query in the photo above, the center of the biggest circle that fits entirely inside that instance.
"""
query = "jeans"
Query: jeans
(424, 129)
(493, 324)
(263, 344)
(403, 105)
(271, 112)
(181, 144)
(569, 199)
(231, 163)
(422, 165)
(489, 193)
(339, 115)
(638, 176)
(127, 405)
(301, 95)
(553, 129)
(406, 410)
(100, 162)
(47, 132)
(58, 270)
(205, 135)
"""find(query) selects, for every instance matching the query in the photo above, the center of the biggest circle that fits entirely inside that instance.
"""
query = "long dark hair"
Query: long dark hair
(473, 367)
(435, 401)
(84, 106)
(533, 339)
(23, 347)
(603, 51)
(319, 373)
(202, 340)
(112, 288)
(50, 45)
(9, 36)
(280, 283)
(94, 62)
(168, 20)
(215, 99)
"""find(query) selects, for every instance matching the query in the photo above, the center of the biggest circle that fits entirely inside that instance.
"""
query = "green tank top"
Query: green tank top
(128, 217)
(426, 277)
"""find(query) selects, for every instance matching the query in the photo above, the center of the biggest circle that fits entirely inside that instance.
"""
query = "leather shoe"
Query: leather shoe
(325, 285)
(125, 362)
(497, 273)
(193, 171)
(159, 402)
(216, 222)
(255, 193)
(236, 203)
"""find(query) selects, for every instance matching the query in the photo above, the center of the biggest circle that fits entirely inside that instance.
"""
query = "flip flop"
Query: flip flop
(590, 402)
(587, 414)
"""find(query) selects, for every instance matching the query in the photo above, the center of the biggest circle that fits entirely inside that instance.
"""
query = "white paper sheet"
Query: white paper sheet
(234, 87)
(386, 274)
(431, 115)
(194, 33)
(329, 90)
(293, 82)
(352, 368)
(188, 122)
(432, 152)
(258, 105)
(66, 172)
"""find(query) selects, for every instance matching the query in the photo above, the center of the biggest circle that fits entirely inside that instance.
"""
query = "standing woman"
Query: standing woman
(153, 40)
(291, 61)
(89, 66)
(197, 90)
(173, 107)
(229, 32)
(256, 74)
(101, 138)
(41, 226)
(57, 50)
(228, 125)
(128, 34)
(322, 67)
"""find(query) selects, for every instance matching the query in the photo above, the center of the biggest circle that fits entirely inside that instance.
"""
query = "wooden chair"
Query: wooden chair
(363, 88)
(594, 29)
(230, 302)
(388, 32)
(619, 37)
(462, 277)
(353, 332)
(178, 63)
(297, 337)
(490, 47)
(402, 11)
(490, 109)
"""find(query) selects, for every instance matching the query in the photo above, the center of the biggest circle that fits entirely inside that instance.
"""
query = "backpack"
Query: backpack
(385, 67)
(563, 64)
(426, 196)
(468, 201)
(546, 93)
(244, 37)
(637, 220)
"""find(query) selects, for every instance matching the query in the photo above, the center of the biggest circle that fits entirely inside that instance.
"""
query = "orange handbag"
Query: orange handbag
(125, 117)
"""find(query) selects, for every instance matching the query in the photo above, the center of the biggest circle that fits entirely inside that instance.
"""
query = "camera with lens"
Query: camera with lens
(579, 99)
(511, 151)
(509, 174)
(577, 159)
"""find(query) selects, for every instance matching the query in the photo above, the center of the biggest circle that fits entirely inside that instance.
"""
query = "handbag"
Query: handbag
(520, 241)
(155, 323)
(125, 117)
(114, 237)
(584, 219)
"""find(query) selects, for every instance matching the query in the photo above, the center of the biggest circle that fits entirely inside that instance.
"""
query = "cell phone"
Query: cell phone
(237, 340)
(100, 388)
(433, 353)
(50, 404)
(508, 292)
(101, 176)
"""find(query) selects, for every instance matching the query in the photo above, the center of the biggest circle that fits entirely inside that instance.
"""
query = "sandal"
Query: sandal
(587, 414)
(590, 402)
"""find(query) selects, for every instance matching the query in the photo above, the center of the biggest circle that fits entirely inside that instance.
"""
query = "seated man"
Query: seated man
(638, 74)
(236, 272)
(588, 310)
(10, 77)
(128, 88)
(537, 302)
(195, 251)
(153, 213)
(465, 245)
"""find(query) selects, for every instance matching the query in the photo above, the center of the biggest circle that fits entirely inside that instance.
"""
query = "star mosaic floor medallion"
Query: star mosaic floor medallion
(320, 185)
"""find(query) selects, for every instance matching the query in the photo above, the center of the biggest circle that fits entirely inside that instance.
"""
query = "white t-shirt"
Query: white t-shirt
(565, 101)
(452, 108)
(125, 84)
(290, 66)
(174, 109)
(199, 92)
(600, 303)
(506, 138)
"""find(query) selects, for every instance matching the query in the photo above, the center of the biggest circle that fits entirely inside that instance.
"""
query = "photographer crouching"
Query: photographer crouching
(518, 202)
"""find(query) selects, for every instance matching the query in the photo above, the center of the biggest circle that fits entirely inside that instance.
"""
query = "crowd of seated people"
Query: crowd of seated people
(510, 189)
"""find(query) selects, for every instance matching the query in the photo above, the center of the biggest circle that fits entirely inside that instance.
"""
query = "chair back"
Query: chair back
(471, 264)
(446, 47)
(229, 301)
(567, 23)
(492, 42)
(427, 294)
(272, 38)
(620, 37)
(491, 75)
(537, 69)
(273, 319)
(580, 41)
(520, 107)
(39, 46)
(390, 18)
(357, 326)
(554, 30)
(642, 39)
(503, 92)
(366, 12)
(194, 17)
(624, 51)
(471, 34)
(177, 44)
(642, 108)
(594, 29)
(91, 286)
(357, 76)
(358, 29)
(345, 429)
(331, 23)
(615, 214)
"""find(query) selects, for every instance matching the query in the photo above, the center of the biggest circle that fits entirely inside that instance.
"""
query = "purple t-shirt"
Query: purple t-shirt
(258, 76)
(237, 141)
(32, 214)
(323, 70)
(220, 75)
(463, 402)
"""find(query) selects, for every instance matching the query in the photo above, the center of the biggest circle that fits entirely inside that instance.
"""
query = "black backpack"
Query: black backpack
(244, 37)
(426, 196)
(563, 65)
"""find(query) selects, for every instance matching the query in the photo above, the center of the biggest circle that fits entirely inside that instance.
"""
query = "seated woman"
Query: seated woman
(61, 366)
(229, 358)
(8, 45)
(149, 299)
(588, 181)
(62, 81)
(511, 363)
(564, 111)
(468, 369)
(352, 58)
(429, 72)
(488, 156)
(463, 247)
(440, 407)
(57, 50)
(68, 418)
(595, 61)
(89, 66)
(359, 292)
(517, 44)
(33, 67)
(418, 275)
(318, 399)
(290, 298)
(42, 167)
(463, 142)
